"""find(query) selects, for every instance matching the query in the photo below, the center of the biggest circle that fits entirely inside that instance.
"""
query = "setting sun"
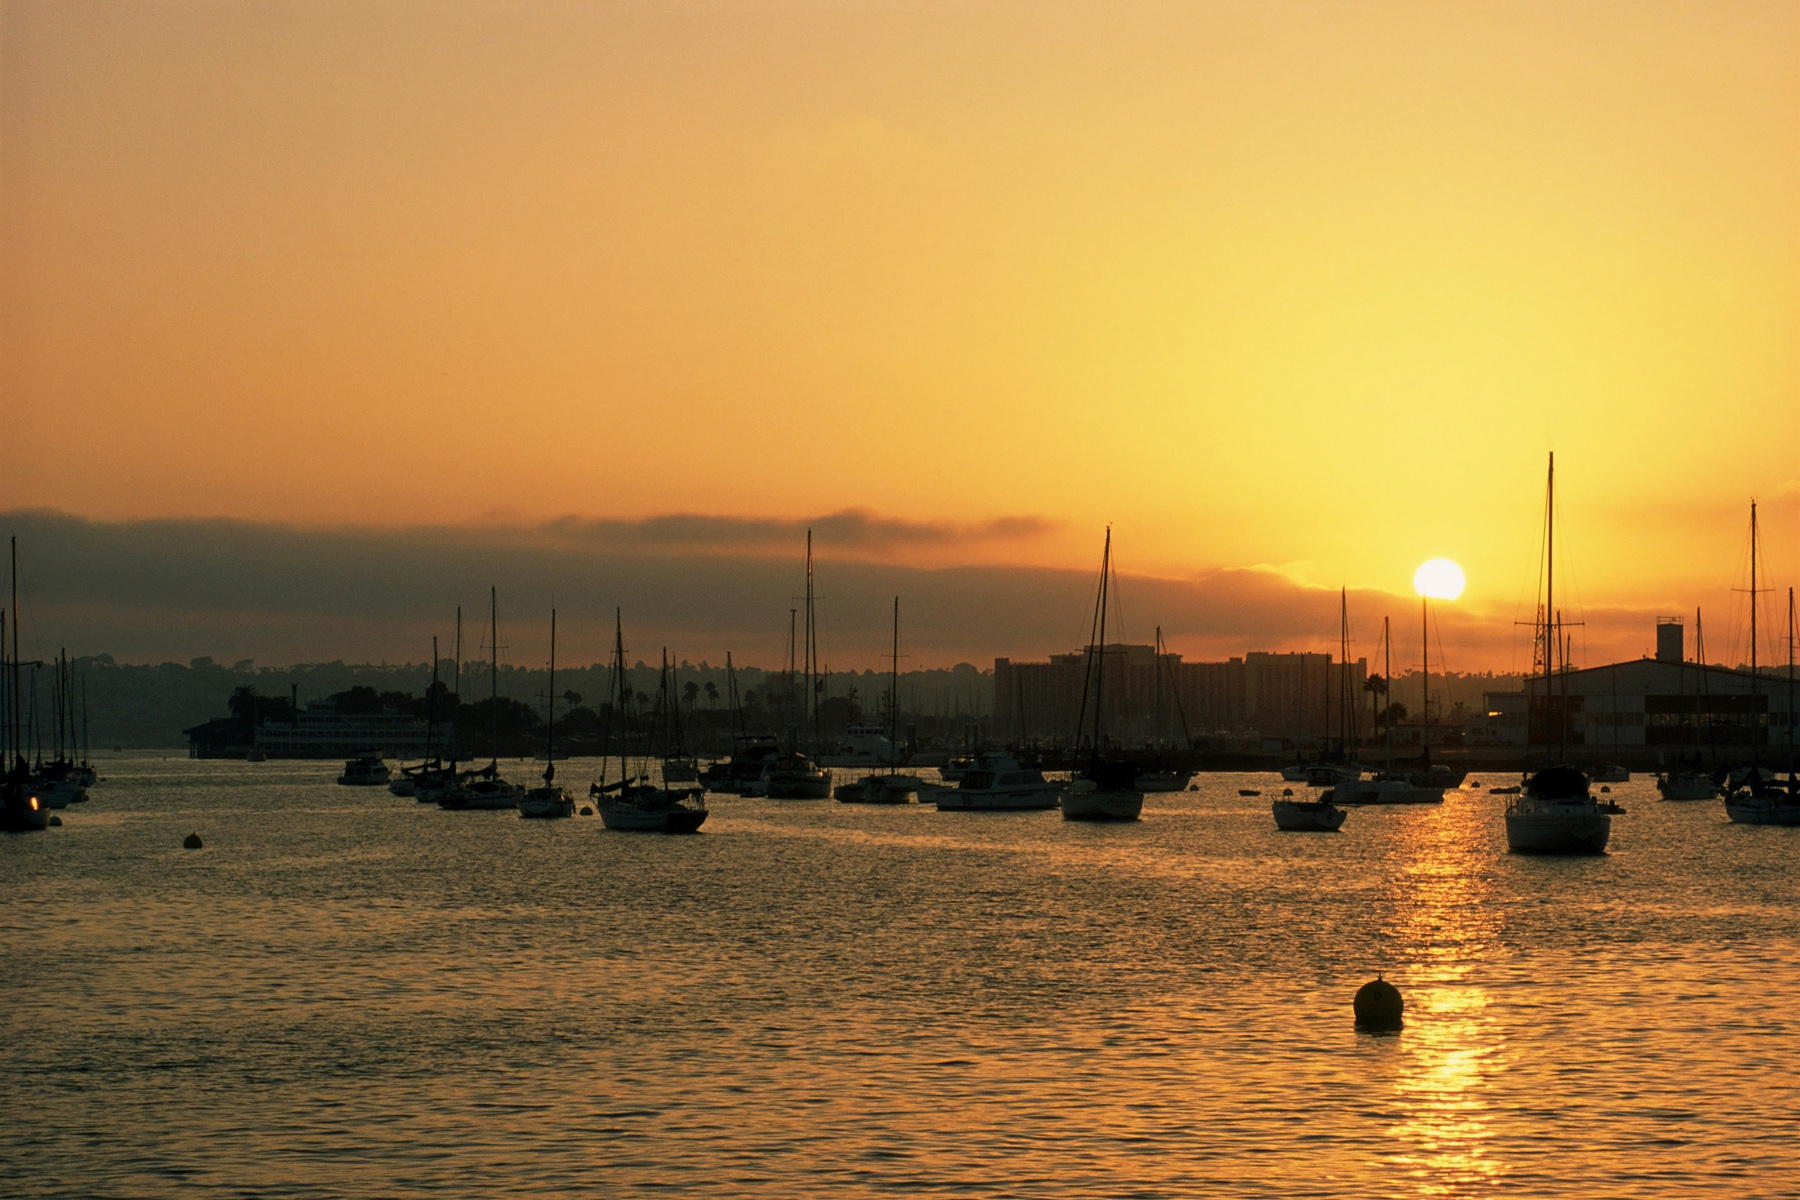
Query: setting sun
(1439, 579)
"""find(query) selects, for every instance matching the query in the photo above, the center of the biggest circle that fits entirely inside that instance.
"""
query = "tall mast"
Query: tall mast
(1790, 696)
(1157, 681)
(430, 706)
(1100, 666)
(737, 715)
(1425, 680)
(624, 687)
(1387, 668)
(1753, 600)
(494, 674)
(793, 689)
(812, 644)
(1344, 714)
(1705, 682)
(550, 722)
(18, 758)
(894, 696)
(1552, 637)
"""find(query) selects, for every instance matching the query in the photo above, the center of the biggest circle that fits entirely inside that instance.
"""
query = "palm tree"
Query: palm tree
(1377, 687)
(690, 691)
(712, 694)
(242, 706)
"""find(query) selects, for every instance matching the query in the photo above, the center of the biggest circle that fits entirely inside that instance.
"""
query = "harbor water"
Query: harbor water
(346, 993)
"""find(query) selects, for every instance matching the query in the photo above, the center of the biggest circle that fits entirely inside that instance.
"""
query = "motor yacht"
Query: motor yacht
(995, 782)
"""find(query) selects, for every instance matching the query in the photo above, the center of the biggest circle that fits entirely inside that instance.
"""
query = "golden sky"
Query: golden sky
(1307, 285)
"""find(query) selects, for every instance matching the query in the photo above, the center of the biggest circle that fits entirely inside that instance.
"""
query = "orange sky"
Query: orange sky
(1307, 285)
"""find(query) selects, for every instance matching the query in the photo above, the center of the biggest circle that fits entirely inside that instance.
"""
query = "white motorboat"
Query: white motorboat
(1091, 799)
(993, 783)
(1555, 813)
(1295, 772)
(1610, 773)
(680, 769)
(952, 770)
(1307, 816)
(1687, 785)
(367, 770)
(794, 776)
(1164, 781)
(862, 746)
(403, 784)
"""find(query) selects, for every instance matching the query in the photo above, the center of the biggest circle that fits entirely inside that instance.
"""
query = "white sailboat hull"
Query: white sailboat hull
(1762, 810)
(658, 813)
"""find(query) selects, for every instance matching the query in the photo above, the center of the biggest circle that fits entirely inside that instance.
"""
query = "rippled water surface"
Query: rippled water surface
(346, 993)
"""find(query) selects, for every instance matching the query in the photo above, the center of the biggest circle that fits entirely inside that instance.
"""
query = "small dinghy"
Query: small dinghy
(1251, 792)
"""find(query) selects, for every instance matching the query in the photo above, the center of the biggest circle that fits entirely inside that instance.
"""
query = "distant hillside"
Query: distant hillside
(148, 706)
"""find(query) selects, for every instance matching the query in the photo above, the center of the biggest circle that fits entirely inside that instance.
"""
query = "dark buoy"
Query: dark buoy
(1378, 1005)
(55, 820)
(1607, 790)
(191, 842)
(586, 811)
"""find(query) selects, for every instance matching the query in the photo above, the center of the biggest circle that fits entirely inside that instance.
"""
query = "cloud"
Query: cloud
(855, 529)
(176, 589)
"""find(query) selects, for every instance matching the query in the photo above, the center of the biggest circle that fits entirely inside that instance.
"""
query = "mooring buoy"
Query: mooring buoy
(191, 842)
(55, 820)
(1378, 1005)
(586, 811)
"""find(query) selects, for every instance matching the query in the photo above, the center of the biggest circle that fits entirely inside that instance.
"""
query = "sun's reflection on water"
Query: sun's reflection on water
(1445, 924)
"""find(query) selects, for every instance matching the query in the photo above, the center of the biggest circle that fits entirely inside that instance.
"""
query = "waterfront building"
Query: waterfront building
(1647, 708)
(1293, 697)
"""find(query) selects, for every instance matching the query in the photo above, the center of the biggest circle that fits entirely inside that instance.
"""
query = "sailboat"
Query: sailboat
(484, 789)
(1106, 788)
(551, 800)
(59, 782)
(1555, 812)
(741, 773)
(632, 803)
(1756, 795)
(21, 811)
(794, 775)
(891, 788)
(1321, 815)
(1166, 775)
(678, 766)
(1389, 786)
(436, 778)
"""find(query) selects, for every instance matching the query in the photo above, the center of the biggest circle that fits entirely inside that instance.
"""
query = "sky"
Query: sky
(1294, 294)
